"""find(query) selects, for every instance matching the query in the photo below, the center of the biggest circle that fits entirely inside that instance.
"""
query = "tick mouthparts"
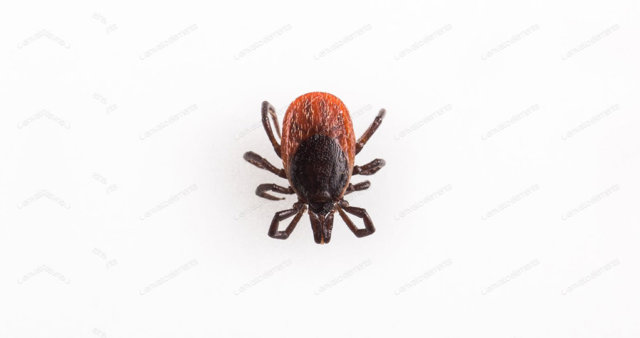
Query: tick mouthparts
(321, 226)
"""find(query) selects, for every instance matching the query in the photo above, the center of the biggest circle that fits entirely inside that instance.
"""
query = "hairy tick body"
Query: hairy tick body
(318, 153)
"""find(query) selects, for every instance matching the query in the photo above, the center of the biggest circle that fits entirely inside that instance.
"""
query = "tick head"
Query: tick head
(321, 203)
(322, 223)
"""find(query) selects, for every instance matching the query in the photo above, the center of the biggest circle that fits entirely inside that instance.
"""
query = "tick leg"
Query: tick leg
(357, 187)
(262, 189)
(372, 129)
(267, 109)
(358, 212)
(369, 168)
(262, 163)
(298, 209)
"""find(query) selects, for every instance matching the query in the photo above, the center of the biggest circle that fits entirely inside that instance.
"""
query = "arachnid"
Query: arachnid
(318, 151)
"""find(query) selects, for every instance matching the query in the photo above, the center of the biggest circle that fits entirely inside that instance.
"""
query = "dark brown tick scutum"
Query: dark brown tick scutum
(319, 172)
(318, 149)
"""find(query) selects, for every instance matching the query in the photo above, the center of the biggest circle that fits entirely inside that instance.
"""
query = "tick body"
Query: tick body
(318, 148)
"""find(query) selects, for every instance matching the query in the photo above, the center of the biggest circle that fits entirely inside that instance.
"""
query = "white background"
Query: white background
(508, 206)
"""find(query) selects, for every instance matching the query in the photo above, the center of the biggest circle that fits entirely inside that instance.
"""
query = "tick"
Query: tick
(318, 149)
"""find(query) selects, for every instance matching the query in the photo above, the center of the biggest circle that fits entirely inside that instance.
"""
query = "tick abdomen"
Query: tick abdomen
(312, 114)
(319, 170)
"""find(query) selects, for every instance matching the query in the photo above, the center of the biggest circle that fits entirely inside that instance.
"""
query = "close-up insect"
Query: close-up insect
(318, 148)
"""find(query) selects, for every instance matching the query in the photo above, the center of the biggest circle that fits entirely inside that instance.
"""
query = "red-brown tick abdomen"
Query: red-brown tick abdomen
(317, 113)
